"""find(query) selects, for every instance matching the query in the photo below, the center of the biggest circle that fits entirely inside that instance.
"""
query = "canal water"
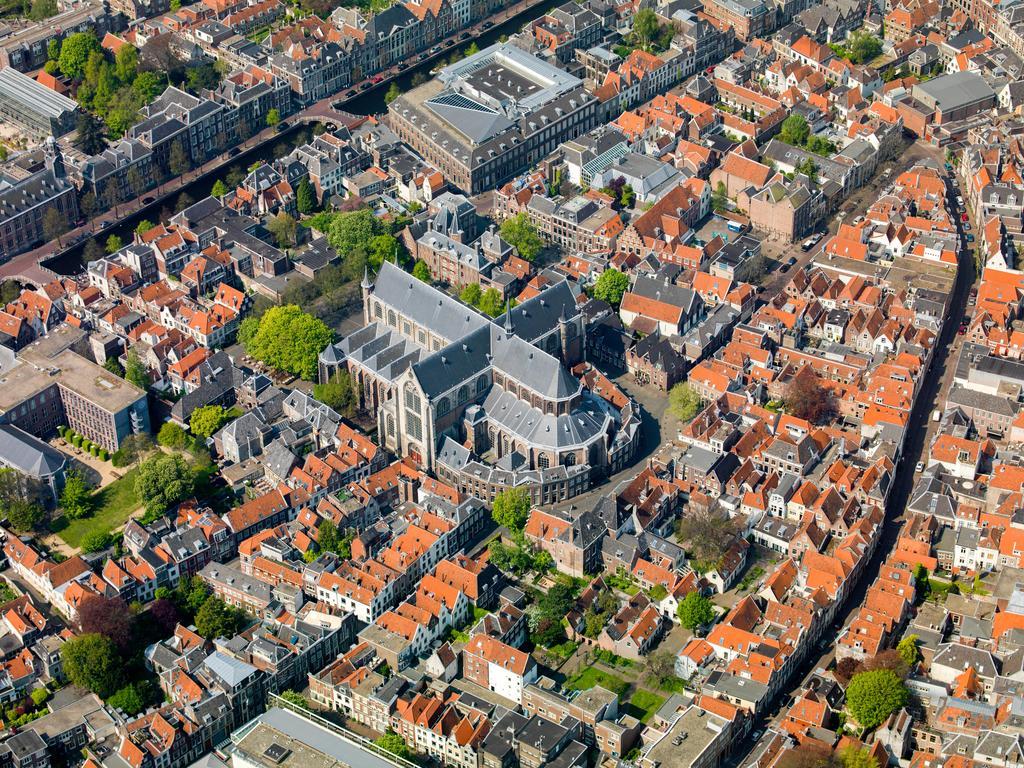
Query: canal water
(370, 102)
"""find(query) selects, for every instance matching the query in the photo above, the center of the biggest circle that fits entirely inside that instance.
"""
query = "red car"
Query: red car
(376, 78)
(964, 217)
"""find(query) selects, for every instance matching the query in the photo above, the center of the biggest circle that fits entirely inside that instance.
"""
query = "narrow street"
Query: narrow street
(930, 397)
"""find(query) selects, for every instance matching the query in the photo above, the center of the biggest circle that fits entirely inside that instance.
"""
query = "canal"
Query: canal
(369, 102)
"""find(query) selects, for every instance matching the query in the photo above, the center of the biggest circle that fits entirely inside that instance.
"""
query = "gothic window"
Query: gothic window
(412, 399)
(378, 311)
(569, 459)
(551, 343)
(463, 394)
(543, 462)
(392, 320)
(443, 406)
(481, 384)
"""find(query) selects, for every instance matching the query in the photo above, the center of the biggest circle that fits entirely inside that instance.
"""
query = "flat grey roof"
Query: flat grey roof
(303, 744)
(954, 90)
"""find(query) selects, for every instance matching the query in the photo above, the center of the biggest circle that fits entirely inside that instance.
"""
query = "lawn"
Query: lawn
(591, 676)
(112, 505)
(643, 704)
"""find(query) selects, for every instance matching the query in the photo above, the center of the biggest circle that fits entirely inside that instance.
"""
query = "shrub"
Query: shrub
(94, 449)
(76, 440)
(103, 454)
(96, 541)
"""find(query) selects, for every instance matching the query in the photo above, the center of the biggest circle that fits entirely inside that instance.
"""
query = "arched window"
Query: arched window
(443, 406)
(481, 384)
(543, 462)
(378, 310)
(391, 424)
(570, 459)
(392, 320)
(412, 398)
(551, 343)
(463, 394)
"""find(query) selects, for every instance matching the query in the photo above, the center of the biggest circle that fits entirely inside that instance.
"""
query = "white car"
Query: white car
(920, 467)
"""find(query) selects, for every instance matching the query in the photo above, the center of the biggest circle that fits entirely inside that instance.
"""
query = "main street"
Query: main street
(934, 383)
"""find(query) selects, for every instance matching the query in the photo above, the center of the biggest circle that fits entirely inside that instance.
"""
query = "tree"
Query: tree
(172, 435)
(132, 449)
(471, 294)
(76, 498)
(808, 167)
(42, 9)
(164, 613)
(863, 46)
(205, 421)
(114, 244)
(113, 365)
(148, 85)
(144, 226)
(349, 231)
(519, 232)
(23, 515)
(107, 616)
(807, 398)
(383, 248)
(219, 189)
(707, 534)
(421, 271)
(126, 63)
(295, 698)
(75, 52)
(812, 754)
(93, 251)
(395, 744)
(511, 509)
(92, 662)
(290, 340)
(217, 619)
(163, 480)
(39, 696)
(283, 227)
(645, 26)
(128, 700)
(684, 402)
(720, 197)
(795, 130)
(874, 695)
(54, 225)
(854, 757)
(327, 536)
(490, 302)
(273, 116)
(393, 93)
(90, 137)
(695, 611)
(889, 659)
(305, 197)
(337, 393)
(846, 668)
(135, 371)
(96, 541)
(908, 650)
(178, 161)
(610, 286)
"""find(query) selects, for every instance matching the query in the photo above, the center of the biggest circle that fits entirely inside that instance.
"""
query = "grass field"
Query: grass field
(112, 505)
(591, 676)
(643, 704)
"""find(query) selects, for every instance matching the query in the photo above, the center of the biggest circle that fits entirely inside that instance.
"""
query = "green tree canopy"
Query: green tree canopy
(305, 197)
(522, 235)
(75, 52)
(205, 421)
(288, 339)
(171, 435)
(908, 650)
(490, 302)
(854, 757)
(394, 744)
(471, 294)
(874, 695)
(273, 116)
(283, 227)
(610, 286)
(163, 480)
(135, 371)
(354, 229)
(795, 130)
(76, 497)
(683, 401)
(645, 26)
(337, 393)
(126, 63)
(91, 661)
(511, 508)
(23, 515)
(421, 271)
(128, 700)
(393, 93)
(695, 611)
(219, 188)
(218, 619)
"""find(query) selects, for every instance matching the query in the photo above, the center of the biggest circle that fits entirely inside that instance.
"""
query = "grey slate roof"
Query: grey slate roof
(28, 454)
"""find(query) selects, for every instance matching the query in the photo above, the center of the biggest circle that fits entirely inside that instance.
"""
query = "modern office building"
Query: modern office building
(487, 118)
(50, 384)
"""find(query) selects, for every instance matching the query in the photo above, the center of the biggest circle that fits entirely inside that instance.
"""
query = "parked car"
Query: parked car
(970, 238)
(488, 24)
(919, 467)
(964, 217)
(148, 199)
